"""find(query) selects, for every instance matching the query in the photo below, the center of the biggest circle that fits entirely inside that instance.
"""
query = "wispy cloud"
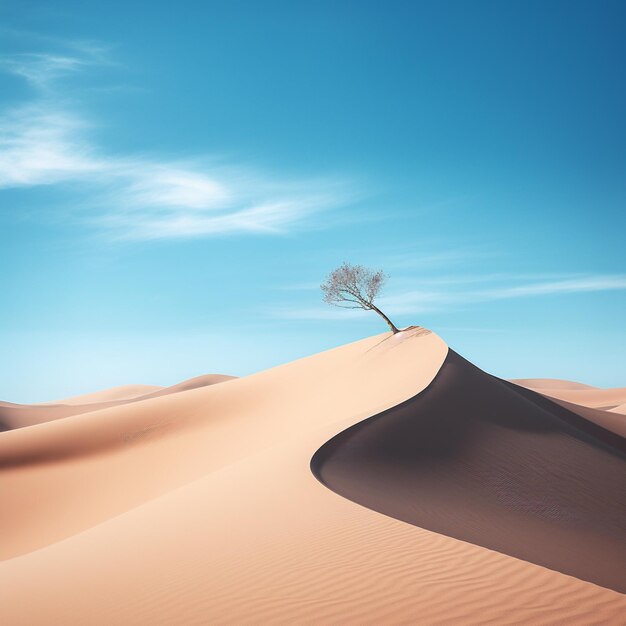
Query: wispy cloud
(413, 260)
(43, 69)
(421, 300)
(40, 69)
(47, 142)
(576, 284)
(448, 295)
(42, 145)
(239, 214)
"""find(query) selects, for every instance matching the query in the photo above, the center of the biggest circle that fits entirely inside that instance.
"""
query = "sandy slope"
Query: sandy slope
(549, 383)
(21, 415)
(492, 463)
(123, 392)
(621, 410)
(585, 396)
(250, 536)
(601, 406)
(611, 420)
(193, 383)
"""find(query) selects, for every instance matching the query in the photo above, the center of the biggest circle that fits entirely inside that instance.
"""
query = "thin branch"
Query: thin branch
(357, 286)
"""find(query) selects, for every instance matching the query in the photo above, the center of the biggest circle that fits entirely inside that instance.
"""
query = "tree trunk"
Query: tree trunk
(391, 325)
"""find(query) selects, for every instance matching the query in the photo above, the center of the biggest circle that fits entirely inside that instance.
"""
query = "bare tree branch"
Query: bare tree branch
(358, 286)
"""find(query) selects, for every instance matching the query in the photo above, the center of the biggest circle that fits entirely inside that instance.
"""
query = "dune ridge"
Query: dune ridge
(591, 397)
(549, 383)
(608, 419)
(591, 404)
(621, 409)
(202, 509)
(121, 392)
(14, 416)
(483, 460)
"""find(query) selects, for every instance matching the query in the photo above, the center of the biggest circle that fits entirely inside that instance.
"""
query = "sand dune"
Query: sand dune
(123, 392)
(161, 443)
(591, 397)
(549, 383)
(193, 383)
(482, 460)
(595, 398)
(21, 415)
(200, 507)
(591, 404)
(610, 419)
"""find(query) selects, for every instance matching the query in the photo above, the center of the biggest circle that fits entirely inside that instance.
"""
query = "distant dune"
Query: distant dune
(199, 507)
(585, 396)
(20, 415)
(606, 418)
(601, 406)
(193, 383)
(124, 392)
(549, 383)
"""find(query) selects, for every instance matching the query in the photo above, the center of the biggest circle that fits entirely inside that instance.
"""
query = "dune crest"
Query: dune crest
(549, 383)
(591, 404)
(201, 508)
(610, 419)
(122, 392)
(591, 397)
(488, 462)
(621, 410)
(14, 416)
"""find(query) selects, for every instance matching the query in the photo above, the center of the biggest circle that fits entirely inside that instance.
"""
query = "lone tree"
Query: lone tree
(356, 287)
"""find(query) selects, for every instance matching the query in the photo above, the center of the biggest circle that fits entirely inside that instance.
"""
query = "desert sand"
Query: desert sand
(606, 418)
(199, 506)
(21, 415)
(123, 392)
(549, 383)
(576, 393)
(596, 405)
(594, 398)
(480, 459)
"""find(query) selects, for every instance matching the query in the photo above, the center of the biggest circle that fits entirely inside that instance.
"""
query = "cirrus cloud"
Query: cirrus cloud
(446, 292)
(129, 196)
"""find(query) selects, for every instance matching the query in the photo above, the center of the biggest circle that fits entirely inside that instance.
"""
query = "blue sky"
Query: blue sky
(176, 181)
